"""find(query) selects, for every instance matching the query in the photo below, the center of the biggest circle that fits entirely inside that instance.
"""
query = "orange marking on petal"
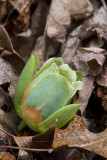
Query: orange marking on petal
(26, 93)
(33, 113)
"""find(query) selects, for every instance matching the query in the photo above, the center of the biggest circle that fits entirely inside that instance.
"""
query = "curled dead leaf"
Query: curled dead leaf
(7, 52)
(96, 24)
(102, 78)
(5, 42)
(8, 75)
(89, 60)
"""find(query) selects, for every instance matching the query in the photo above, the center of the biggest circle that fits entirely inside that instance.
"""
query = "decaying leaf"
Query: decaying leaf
(7, 52)
(9, 120)
(71, 46)
(7, 112)
(19, 5)
(3, 10)
(23, 155)
(5, 42)
(57, 23)
(4, 99)
(25, 44)
(8, 75)
(76, 135)
(89, 60)
(41, 141)
(19, 18)
(104, 102)
(85, 93)
(102, 78)
(6, 156)
(95, 24)
(5, 106)
(40, 14)
(101, 93)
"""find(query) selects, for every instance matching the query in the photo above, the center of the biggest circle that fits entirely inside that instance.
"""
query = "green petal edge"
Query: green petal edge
(62, 116)
(24, 80)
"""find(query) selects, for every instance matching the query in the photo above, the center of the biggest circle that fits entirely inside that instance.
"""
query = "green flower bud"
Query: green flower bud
(45, 98)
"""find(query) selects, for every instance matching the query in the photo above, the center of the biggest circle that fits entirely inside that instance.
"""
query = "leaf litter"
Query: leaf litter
(76, 31)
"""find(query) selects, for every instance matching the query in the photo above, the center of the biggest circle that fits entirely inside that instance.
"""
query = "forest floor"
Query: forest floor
(76, 31)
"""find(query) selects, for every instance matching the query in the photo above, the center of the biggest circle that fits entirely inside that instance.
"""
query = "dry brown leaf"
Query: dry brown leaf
(18, 23)
(89, 60)
(85, 93)
(6, 156)
(7, 52)
(8, 75)
(81, 9)
(25, 44)
(76, 135)
(44, 140)
(24, 141)
(101, 93)
(4, 10)
(102, 78)
(19, 5)
(13, 58)
(94, 42)
(19, 18)
(69, 154)
(9, 120)
(96, 24)
(5, 42)
(71, 46)
(38, 20)
(99, 19)
(57, 23)
(4, 99)
(40, 142)
(5, 104)
(104, 102)
(23, 155)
